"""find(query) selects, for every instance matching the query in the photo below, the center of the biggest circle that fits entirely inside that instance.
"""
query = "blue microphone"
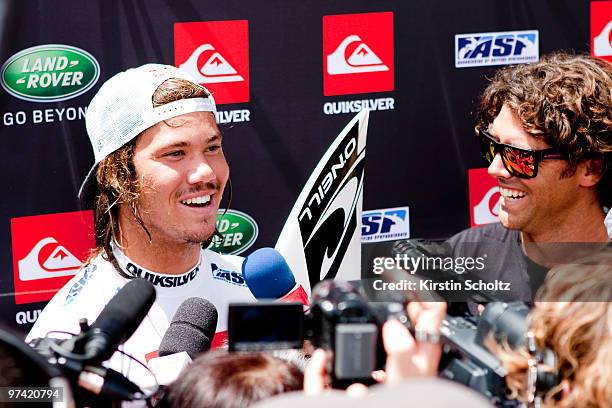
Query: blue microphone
(268, 276)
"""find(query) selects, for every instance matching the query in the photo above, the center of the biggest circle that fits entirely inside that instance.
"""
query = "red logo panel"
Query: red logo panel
(484, 197)
(47, 251)
(601, 29)
(357, 53)
(216, 54)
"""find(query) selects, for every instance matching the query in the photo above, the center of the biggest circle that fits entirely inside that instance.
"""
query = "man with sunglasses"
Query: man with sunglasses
(546, 131)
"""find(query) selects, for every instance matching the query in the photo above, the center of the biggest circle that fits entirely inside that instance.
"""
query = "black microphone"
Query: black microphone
(108, 382)
(192, 329)
(118, 320)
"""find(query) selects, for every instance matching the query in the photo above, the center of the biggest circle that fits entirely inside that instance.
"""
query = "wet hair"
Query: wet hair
(117, 181)
(233, 380)
(565, 100)
(573, 318)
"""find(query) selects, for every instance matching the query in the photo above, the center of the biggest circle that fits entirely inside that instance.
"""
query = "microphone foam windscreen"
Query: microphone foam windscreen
(192, 329)
(267, 274)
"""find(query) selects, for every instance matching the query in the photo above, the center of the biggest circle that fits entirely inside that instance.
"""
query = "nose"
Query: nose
(496, 168)
(201, 172)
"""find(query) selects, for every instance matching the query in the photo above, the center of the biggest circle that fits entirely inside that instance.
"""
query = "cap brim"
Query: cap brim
(89, 188)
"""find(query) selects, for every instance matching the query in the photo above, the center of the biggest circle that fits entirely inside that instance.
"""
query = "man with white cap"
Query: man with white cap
(156, 186)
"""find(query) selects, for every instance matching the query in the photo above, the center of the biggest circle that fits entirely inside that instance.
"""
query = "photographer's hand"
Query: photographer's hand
(405, 356)
(315, 377)
(314, 374)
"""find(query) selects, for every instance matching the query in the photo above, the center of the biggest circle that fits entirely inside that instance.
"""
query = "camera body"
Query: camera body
(467, 358)
(340, 320)
(343, 322)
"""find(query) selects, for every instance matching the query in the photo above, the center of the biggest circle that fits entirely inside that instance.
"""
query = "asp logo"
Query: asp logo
(601, 28)
(216, 54)
(358, 53)
(484, 197)
(233, 277)
(49, 73)
(385, 225)
(239, 231)
(47, 251)
(501, 48)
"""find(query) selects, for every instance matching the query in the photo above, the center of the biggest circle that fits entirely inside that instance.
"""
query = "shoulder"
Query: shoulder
(224, 271)
(488, 232)
(95, 281)
(231, 261)
(497, 242)
(85, 295)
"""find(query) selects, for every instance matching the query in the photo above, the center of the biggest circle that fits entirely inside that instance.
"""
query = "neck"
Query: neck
(155, 254)
(551, 246)
(584, 222)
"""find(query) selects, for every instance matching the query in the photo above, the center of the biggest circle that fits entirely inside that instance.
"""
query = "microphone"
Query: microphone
(81, 356)
(108, 382)
(98, 380)
(191, 330)
(118, 320)
(268, 276)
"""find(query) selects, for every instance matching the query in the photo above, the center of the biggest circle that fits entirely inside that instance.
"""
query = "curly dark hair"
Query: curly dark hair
(117, 182)
(565, 100)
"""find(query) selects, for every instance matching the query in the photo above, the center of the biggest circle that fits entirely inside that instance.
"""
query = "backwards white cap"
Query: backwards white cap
(123, 108)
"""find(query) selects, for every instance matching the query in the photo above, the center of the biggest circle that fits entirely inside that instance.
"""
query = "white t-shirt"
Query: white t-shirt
(217, 278)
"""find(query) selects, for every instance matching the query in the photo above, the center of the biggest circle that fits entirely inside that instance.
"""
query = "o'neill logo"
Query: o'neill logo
(601, 28)
(216, 54)
(321, 238)
(47, 251)
(500, 48)
(358, 53)
(328, 219)
(50, 73)
(484, 197)
(238, 230)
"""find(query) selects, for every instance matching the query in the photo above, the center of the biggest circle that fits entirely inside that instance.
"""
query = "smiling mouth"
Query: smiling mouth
(197, 202)
(512, 194)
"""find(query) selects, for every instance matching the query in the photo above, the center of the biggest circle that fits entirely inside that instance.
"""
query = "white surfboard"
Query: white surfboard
(322, 236)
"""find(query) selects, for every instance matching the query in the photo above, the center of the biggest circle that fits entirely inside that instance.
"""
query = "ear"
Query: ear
(590, 171)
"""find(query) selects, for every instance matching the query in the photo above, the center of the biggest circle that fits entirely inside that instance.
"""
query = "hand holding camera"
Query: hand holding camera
(406, 357)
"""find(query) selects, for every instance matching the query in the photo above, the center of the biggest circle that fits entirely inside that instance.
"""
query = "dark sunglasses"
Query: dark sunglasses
(519, 162)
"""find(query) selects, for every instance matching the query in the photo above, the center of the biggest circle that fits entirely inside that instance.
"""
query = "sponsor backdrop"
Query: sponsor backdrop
(288, 76)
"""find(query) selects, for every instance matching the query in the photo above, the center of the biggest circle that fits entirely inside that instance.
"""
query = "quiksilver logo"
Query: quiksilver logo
(163, 281)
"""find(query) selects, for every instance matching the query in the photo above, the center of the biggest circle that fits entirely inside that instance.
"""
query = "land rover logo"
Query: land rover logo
(239, 232)
(49, 73)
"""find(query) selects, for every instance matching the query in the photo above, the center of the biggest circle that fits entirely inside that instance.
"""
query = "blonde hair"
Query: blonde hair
(573, 318)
